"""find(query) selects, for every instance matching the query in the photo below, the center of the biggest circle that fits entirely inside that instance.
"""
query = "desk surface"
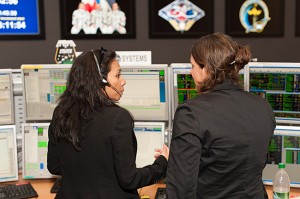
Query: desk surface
(43, 186)
(151, 191)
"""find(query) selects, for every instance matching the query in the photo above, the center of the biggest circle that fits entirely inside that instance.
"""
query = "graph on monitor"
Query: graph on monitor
(35, 149)
(6, 97)
(279, 84)
(145, 94)
(43, 85)
(8, 153)
(149, 135)
(183, 86)
(284, 147)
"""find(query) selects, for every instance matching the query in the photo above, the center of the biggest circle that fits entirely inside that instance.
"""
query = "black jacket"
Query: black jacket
(219, 145)
(105, 168)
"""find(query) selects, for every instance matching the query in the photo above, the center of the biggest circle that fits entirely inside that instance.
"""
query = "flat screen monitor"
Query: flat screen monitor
(279, 83)
(150, 136)
(6, 97)
(284, 147)
(22, 19)
(183, 86)
(146, 92)
(8, 153)
(35, 149)
(43, 85)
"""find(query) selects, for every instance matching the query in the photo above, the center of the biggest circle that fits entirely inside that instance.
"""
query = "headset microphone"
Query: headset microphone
(103, 79)
(108, 84)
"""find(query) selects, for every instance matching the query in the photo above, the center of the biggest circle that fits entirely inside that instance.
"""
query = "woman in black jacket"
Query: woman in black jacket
(91, 140)
(220, 138)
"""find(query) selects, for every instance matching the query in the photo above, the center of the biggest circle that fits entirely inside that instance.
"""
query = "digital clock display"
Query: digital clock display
(21, 18)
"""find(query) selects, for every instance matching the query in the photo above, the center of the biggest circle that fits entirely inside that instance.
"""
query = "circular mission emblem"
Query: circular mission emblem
(254, 15)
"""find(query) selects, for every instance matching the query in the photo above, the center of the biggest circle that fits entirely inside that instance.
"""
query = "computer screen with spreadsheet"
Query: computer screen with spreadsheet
(284, 147)
(43, 85)
(146, 94)
(6, 97)
(183, 86)
(8, 153)
(279, 84)
(35, 149)
(149, 135)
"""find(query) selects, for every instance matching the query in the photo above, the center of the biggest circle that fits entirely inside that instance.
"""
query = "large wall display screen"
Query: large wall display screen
(20, 19)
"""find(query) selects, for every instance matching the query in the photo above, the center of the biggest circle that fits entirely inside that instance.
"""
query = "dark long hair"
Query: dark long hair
(222, 57)
(82, 97)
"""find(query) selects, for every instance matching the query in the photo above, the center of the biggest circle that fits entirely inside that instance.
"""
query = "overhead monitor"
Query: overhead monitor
(43, 85)
(35, 149)
(279, 83)
(150, 136)
(183, 86)
(284, 147)
(8, 153)
(22, 19)
(146, 94)
(6, 97)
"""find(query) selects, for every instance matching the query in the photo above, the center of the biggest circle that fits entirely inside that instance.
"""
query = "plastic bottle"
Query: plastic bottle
(281, 183)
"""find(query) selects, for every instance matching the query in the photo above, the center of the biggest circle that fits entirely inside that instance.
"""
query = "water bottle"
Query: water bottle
(281, 183)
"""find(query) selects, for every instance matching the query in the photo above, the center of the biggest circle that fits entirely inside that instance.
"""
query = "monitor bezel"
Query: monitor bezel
(154, 67)
(38, 66)
(24, 151)
(13, 127)
(274, 167)
(276, 65)
(41, 25)
(188, 66)
(163, 130)
(12, 121)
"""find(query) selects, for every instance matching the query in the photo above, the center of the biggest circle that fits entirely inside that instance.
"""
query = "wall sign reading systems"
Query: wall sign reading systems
(21, 19)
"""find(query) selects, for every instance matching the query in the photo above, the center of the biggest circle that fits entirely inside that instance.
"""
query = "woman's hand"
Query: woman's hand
(164, 151)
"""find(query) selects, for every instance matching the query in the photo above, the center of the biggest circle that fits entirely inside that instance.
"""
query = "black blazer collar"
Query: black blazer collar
(227, 85)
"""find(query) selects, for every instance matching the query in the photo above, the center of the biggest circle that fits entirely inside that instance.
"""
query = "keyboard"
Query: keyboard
(56, 186)
(161, 193)
(17, 191)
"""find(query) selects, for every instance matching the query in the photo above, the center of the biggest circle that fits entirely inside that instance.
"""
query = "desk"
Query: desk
(41, 186)
(151, 190)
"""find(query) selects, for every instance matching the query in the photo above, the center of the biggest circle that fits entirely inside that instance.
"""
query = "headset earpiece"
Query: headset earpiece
(103, 79)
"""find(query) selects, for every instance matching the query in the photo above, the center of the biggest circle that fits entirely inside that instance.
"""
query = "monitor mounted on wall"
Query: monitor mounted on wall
(22, 19)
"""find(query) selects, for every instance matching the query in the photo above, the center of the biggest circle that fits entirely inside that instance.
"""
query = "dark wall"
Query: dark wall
(13, 53)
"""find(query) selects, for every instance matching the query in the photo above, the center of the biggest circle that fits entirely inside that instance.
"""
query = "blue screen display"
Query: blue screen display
(19, 17)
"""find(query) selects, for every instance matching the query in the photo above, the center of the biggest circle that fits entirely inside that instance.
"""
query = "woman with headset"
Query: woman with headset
(91, 140)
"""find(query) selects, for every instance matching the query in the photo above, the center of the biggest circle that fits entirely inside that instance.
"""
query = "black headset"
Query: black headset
(102, 77)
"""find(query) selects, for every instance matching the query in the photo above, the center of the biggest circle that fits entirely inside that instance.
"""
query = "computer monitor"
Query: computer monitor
(43, 85)
(35, 148)
(150, 136)
(284, 147)
(6, 97)
(18, 101)
(22, 20)
(183, 86)
(8, 153)
(146, 94)
(279, 83)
